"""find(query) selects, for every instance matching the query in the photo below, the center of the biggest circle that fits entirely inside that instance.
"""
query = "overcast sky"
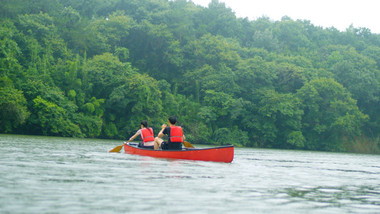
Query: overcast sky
(326, 13)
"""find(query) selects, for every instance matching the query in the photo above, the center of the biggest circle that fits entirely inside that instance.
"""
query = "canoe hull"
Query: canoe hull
(217, 154)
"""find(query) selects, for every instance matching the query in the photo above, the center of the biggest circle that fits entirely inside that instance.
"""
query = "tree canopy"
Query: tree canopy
(97, 68)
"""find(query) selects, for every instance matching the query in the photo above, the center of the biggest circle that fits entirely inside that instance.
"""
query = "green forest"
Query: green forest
(96, 68)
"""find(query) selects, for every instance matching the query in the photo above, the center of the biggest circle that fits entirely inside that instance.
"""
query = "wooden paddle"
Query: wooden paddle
(117, 148)
(187, 144)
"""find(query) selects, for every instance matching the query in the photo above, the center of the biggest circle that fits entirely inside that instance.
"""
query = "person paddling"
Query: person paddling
(146, 134)
(175, 136)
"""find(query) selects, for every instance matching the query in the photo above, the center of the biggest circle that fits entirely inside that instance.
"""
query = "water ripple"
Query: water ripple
(66, 175)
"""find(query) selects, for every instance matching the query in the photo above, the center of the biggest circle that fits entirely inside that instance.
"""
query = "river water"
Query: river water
(67, 175)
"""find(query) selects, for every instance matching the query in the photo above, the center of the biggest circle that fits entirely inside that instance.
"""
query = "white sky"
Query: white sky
(326, 13)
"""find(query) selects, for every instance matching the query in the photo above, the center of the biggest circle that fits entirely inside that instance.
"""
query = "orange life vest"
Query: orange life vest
(176, 134)
(147, 135)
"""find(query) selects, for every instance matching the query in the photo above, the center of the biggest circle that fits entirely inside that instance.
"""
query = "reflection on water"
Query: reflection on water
(66, 175)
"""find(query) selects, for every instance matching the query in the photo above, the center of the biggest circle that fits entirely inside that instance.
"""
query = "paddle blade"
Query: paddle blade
(117, 148)
(187, 144)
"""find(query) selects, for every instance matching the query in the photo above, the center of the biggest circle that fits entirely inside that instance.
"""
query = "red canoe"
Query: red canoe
(217, 154)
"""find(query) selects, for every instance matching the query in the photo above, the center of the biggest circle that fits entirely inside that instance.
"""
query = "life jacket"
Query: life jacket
(147, 135)
(176, 134)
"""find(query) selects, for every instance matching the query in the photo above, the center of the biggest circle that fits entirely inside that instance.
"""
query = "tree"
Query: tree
(10, 53)
(227, 136)
(330, 115)
(221, 79)
(13, 110)
(266, 40)
(290, 78)
(212, 50)
(38, 26)
(180, 20)
(52, 119)
(361, 76)
(373, 52)
(114, 29)
(220, 104)
(355, 72)
(155, 51)
(137, 99)
(104, 73)
(254, 74)
(277, 121)
(12, 8)
(292, 34)
(93, 8)
(219, 20)
(139, 10)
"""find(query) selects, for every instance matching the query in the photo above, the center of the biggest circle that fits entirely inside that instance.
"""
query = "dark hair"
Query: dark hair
(173, 120)
(144, 123)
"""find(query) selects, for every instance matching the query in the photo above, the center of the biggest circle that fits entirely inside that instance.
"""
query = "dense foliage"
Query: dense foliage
(97, 68)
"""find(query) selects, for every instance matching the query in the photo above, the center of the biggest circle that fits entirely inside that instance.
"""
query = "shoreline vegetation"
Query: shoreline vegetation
(96, 69)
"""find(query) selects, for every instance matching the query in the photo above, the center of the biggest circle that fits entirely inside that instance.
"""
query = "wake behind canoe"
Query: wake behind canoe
(216, 154)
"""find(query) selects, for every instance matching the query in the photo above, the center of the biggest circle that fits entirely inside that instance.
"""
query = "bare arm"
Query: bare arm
(161, 134)
(133, 137)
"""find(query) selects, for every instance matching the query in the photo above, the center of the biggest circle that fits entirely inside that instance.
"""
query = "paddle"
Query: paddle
(187, 144)
(117, 148)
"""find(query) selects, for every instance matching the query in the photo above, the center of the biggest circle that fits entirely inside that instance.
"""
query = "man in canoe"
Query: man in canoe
(146, 134)
(175, 136)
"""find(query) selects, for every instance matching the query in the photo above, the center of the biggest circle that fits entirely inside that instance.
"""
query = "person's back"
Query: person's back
(147, 137)
(146, 134)
(175, 136)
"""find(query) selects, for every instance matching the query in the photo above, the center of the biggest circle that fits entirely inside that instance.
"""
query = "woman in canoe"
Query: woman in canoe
(146, 134)
(175, 136)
